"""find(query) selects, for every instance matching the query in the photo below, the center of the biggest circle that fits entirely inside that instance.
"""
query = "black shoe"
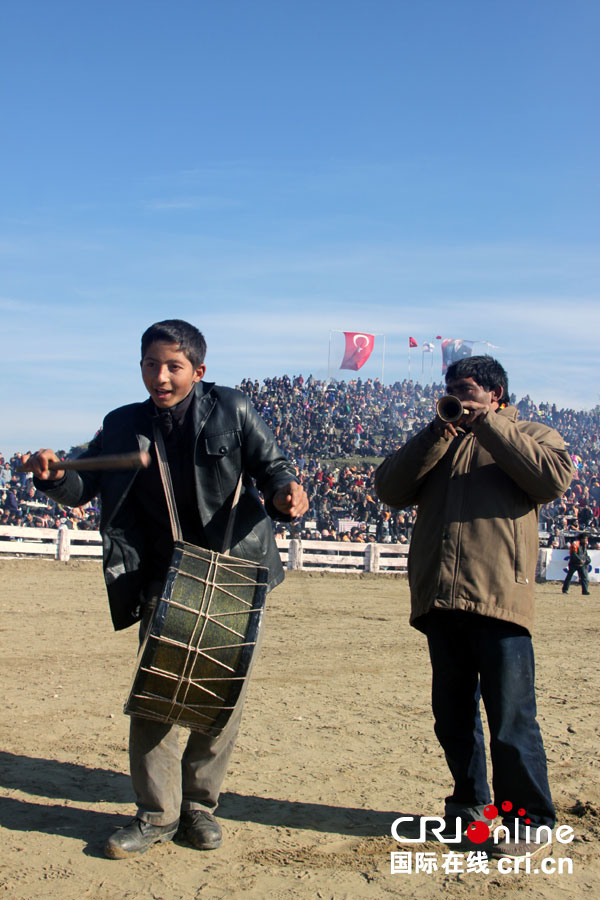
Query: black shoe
(200, 829)
(586, 593)
(136, 837)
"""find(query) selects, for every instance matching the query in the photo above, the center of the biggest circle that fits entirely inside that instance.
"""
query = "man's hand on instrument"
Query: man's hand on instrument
(443, 429)
(38, 464)
(291, 500)
(475, 411)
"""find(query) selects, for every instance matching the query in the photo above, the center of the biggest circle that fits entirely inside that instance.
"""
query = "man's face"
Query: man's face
(168, 374)
(467, 390)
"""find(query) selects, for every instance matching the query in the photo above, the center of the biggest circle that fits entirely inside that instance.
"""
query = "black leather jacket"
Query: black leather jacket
(230, 437)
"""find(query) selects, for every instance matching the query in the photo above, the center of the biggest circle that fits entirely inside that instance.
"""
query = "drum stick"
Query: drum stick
(137, 460)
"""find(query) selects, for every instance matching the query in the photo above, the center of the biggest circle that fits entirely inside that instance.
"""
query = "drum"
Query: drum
(197, 651)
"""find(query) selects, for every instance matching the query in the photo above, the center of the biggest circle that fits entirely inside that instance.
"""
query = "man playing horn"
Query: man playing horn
(477, 484)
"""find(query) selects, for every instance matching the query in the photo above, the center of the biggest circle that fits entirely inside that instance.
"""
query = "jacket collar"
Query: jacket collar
(510, 412)
(202, 405)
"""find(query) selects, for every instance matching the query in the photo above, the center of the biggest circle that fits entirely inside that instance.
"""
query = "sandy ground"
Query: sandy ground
(337, 741)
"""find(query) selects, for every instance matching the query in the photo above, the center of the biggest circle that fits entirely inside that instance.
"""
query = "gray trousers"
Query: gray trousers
(168, 778)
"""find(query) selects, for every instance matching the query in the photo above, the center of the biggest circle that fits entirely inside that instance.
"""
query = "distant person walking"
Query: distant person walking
(579, 560)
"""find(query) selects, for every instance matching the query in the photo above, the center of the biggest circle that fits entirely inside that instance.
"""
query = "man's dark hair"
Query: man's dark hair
(175, 331)
(484, 370)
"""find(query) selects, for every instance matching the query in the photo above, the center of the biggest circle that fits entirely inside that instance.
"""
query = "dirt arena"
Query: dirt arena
(337, 741)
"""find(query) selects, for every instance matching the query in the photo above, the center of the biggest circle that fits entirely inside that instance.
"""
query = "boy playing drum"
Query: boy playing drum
(212, 435)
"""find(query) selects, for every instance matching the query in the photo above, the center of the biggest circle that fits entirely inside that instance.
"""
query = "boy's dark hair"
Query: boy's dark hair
(484, 370)
(175, 331)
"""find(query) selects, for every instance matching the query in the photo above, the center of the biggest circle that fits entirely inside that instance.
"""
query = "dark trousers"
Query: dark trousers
(475, 657)
(584, 580)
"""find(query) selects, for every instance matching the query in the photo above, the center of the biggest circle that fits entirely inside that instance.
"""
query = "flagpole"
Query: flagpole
(383, 359)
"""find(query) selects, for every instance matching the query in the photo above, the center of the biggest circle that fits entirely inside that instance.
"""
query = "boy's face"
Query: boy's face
(168, 374)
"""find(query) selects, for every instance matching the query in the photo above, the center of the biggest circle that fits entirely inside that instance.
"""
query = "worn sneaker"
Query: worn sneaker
(136, 838)
(466, 815)
(200, 829)
(518, 849)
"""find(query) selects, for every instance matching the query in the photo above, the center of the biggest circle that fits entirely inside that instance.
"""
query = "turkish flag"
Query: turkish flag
(359, 347)
(412, 342)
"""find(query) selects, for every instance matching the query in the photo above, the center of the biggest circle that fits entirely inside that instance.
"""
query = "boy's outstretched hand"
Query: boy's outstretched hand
(38, 464)
(291, 500)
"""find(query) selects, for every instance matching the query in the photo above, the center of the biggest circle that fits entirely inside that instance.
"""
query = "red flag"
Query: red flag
(412, 342)
(359, 347)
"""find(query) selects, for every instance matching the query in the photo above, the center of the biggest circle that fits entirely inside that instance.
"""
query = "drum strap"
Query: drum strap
(165, 475)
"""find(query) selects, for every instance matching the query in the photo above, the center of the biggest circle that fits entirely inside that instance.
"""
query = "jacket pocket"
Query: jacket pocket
(223, 461)
(522, 553)
(222, 444)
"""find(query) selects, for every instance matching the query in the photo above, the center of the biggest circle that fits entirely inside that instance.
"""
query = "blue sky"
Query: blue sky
(273, 171)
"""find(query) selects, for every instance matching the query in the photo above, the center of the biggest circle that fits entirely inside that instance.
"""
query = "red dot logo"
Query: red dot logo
(478, 832)
(491, 811)
(506, 805)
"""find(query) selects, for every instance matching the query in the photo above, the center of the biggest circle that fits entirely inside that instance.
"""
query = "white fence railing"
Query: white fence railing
(60, 543)
(332, 556)
(336, 556)
(343, 556)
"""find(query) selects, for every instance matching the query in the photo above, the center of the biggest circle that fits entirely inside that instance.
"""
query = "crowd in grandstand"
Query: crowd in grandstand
(335, 432)
(22, 504)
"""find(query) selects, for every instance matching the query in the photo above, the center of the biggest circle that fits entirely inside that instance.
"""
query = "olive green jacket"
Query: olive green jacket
(475, 544)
